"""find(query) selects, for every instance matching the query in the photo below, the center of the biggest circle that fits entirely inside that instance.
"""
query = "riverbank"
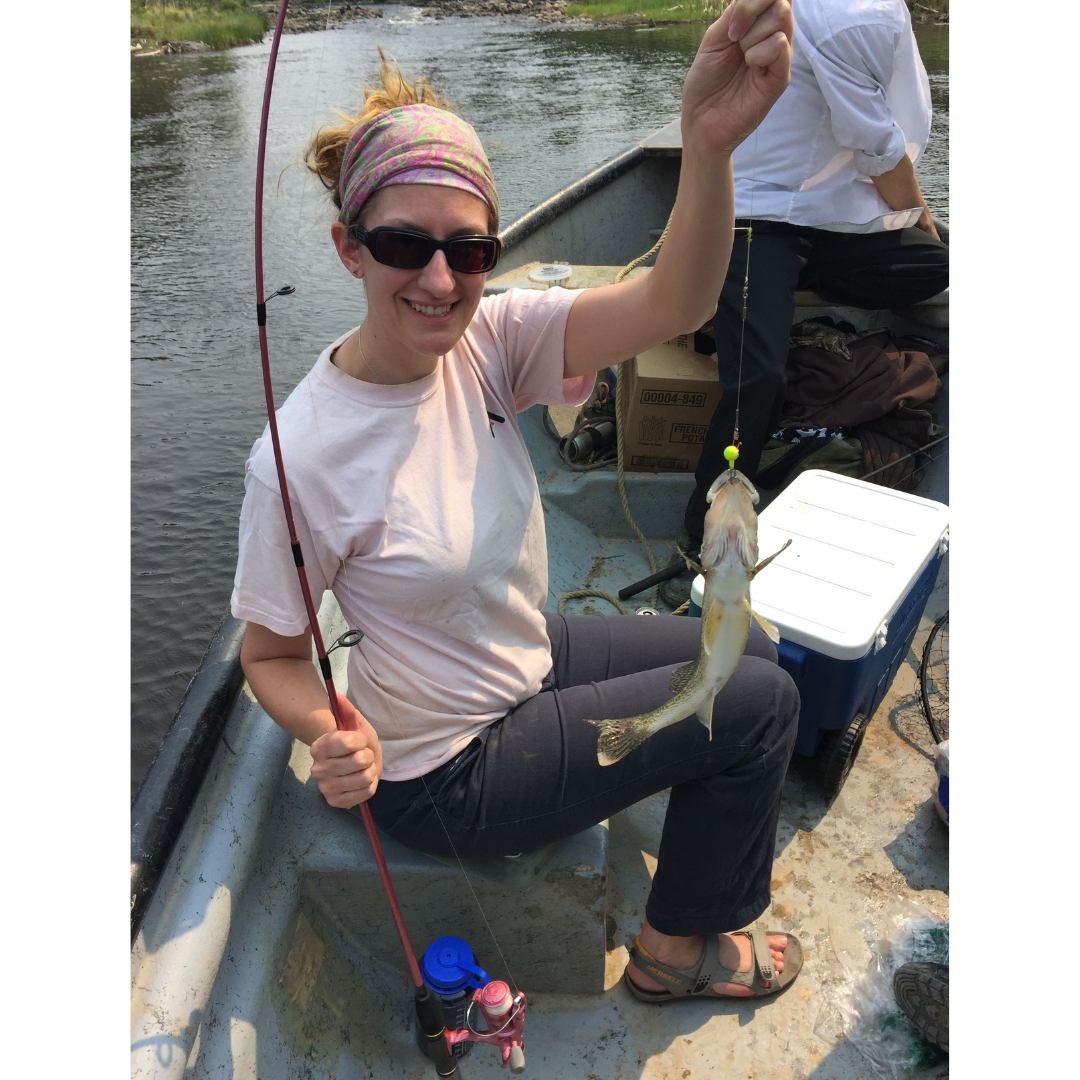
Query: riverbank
(929, 11)
(305, 18)
(186, 27)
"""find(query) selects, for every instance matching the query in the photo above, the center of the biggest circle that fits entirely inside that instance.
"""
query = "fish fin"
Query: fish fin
(774, 634)
(617, 738)
(712, 548)
(681, 676)
(704, 714)
(713, 618)
(765, 562)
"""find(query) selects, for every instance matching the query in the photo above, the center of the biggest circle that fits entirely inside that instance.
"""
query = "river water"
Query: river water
(549, 103)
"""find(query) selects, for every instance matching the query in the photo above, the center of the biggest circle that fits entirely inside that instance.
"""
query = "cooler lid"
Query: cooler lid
(856, 550)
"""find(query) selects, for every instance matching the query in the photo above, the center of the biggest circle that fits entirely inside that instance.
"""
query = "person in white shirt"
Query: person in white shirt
(827, 183)
(416, 503)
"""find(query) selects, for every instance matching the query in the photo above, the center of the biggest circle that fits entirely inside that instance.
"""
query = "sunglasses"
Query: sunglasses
(407, 250)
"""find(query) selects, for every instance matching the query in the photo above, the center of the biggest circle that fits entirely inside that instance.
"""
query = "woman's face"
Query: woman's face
(415, 316)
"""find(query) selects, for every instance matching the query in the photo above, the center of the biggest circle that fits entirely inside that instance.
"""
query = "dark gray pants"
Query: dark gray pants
(865, 270)
(533, 777)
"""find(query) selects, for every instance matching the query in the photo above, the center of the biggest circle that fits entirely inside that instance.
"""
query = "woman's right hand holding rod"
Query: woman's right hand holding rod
(346, 764)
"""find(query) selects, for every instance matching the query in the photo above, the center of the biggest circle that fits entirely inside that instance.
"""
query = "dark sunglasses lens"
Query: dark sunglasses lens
(472, 256)
(403, 250)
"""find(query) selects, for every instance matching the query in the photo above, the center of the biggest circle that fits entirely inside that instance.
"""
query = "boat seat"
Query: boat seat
(546, 909)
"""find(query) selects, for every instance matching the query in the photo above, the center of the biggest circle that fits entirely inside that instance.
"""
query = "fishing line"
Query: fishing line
(742, 330)
(732, 452)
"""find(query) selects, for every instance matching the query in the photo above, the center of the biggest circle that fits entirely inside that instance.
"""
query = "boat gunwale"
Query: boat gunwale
(558, 204)
(163, 802)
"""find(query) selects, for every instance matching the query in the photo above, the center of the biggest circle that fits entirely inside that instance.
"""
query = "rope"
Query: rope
(619, 468)
(648, 254)
(577, 593)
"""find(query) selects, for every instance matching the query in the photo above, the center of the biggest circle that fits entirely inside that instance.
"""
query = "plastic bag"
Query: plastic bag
(861, 1007)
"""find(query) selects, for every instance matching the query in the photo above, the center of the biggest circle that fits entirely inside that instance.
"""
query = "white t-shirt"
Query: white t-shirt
(859, 99)
(424, 518)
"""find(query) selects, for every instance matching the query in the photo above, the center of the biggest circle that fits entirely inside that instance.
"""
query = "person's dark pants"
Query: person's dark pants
(867, 270)
(533, 776)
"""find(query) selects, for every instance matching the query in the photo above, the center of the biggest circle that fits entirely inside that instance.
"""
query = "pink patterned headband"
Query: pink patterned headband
(414, 144)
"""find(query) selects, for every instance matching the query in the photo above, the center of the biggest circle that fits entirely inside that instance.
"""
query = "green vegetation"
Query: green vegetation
(219, 23)
(927, 10)
(654, 10)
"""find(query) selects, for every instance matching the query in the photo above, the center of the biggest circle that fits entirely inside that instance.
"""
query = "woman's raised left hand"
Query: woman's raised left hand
(742, 66)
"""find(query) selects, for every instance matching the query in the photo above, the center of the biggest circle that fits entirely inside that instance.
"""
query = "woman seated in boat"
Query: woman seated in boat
(416, 503)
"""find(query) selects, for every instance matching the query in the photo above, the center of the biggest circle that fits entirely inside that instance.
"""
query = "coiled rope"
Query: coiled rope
(619, 469)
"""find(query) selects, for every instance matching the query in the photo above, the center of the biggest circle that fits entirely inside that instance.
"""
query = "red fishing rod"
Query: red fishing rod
(428, 1008)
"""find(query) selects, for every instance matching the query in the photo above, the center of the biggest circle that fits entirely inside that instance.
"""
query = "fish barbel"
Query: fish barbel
(729, 552)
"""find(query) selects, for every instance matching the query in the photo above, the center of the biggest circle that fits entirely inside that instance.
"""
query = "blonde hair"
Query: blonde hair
(326, 150)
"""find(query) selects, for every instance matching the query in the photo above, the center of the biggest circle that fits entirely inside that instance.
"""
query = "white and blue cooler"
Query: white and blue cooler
(847, 597)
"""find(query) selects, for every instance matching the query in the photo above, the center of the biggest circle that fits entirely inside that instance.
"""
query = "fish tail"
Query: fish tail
(617, 739)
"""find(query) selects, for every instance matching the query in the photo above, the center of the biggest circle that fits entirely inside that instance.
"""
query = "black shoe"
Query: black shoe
(676, 591)
(922, 991)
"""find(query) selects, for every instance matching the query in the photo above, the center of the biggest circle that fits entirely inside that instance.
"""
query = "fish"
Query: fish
(729, 561)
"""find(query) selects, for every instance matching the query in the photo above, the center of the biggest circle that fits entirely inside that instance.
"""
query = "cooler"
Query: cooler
(847, 597)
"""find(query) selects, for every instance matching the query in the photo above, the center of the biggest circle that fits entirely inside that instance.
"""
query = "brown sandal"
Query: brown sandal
(699, 980)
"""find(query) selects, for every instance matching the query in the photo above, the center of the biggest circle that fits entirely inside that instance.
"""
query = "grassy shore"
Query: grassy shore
(219, 23)
(659, 11)
(696, 11)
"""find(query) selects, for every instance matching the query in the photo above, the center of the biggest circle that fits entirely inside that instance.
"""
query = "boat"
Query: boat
(261, 943)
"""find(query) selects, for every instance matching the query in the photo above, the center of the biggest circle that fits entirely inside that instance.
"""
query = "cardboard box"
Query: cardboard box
(669, 398)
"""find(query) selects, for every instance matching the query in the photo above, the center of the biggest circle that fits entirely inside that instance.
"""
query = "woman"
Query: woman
(423, 516)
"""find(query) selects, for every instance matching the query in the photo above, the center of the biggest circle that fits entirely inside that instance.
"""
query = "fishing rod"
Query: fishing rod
(428, 1007)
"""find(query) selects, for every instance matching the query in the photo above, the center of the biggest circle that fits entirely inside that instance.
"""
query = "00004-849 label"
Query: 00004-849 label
(692, 399)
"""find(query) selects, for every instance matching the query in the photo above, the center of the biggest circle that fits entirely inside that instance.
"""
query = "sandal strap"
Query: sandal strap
(709, 970)
(691, 981)
(762, 956)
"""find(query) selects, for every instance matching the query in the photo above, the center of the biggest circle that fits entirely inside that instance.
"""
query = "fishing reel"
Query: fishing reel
(504, 1019)
(449, 972)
